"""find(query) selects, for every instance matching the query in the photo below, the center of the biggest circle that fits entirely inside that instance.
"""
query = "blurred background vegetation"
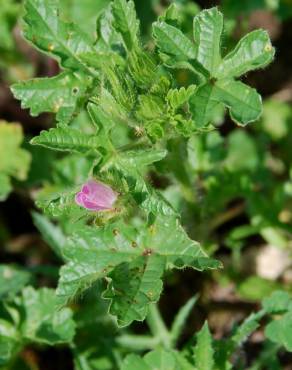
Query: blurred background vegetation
(234, 191)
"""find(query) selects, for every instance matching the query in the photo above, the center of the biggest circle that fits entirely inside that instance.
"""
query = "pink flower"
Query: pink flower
(96, 196)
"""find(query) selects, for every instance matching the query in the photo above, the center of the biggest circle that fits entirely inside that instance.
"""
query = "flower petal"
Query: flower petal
(92, 206)
(79, 199)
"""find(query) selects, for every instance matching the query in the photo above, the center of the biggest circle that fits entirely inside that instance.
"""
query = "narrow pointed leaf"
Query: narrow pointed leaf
(249, 325)
(66, 139)
(141, 158)
(51, 233)
(204, 352)
(180, 320)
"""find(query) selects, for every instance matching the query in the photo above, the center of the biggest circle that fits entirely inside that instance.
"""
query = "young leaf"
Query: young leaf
(253, 51)
(58, 39)
(203, 352)
(107, 36)
(219, 87)
(66, 139)
(125, 22)
(178, 97)
(62, 94)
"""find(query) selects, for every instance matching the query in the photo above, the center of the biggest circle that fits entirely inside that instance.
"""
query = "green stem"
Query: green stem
(138, 342)
(158, 327)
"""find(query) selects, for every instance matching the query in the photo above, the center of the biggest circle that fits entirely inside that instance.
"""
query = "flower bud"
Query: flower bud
(96, 196)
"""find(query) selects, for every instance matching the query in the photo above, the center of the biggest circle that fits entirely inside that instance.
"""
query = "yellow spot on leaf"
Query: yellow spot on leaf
(268, 48)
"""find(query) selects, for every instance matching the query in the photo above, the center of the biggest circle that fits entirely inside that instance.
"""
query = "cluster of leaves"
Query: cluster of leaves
(204, 352)
(120, 83)
(30, 316)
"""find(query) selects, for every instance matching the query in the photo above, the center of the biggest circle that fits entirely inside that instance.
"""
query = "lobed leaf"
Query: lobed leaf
(133, 259)
(43, 324)
(62, 94)
(178, 97)
(217, 85)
